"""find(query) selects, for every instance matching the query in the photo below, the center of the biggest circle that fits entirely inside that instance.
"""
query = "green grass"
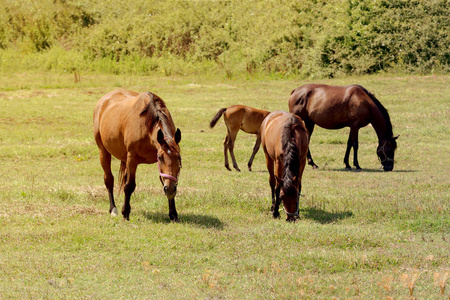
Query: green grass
(367, 234)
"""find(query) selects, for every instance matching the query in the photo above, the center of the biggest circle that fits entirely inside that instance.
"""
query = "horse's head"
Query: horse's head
(169, 162)
(386, 151)
(289, 199)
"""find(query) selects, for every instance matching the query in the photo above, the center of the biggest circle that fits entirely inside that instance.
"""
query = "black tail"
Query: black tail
(291, 162)
(217, 117)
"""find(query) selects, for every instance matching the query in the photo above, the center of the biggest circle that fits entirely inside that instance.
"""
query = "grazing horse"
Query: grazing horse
(335, 107)
(285, 142)
(137, 129)
(242, 117)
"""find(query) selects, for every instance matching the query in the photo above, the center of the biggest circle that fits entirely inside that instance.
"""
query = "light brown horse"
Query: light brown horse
(137, 129)
(242, 117)
(285, 142)
(335, 107)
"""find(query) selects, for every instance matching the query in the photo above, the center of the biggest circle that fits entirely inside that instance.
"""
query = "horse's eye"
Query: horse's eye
(160, 158)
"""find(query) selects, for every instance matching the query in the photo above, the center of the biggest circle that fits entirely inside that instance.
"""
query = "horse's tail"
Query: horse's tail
(217, 117)
(122, 175)
(291, 161)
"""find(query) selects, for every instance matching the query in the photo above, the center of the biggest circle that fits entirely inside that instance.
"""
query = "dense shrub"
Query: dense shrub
(311, 38)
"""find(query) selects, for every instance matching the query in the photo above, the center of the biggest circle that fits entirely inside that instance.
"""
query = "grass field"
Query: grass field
(361, 235)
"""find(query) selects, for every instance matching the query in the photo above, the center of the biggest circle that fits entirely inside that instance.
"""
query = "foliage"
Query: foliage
(311, 38)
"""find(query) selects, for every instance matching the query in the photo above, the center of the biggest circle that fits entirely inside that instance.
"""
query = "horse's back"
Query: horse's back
(271, 132)
(246, 118)
(329, 106)
(116, 115)
(277, 128)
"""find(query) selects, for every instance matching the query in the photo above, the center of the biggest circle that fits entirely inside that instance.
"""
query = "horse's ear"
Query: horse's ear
(160, 136)
(178, 136)
(396, 137)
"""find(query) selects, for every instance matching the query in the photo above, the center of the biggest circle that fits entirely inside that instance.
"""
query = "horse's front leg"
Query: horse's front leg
(129, 186)
(173, 215)
(276, 203)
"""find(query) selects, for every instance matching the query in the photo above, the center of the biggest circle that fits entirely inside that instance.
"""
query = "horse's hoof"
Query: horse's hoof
(228, 168)
(174, 219)
(358, 170)
(114, 212)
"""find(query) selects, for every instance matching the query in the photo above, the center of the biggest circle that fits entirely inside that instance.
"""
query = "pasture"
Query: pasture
(361, 235)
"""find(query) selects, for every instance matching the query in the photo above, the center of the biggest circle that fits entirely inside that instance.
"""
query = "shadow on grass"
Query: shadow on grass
(322, 216)
(369, 171)
(204, 221)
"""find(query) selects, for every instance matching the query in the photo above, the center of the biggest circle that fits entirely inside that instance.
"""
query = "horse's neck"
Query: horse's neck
(379, 124)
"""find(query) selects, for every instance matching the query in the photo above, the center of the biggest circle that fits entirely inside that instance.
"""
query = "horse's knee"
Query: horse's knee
(109, 181)
(129, 188)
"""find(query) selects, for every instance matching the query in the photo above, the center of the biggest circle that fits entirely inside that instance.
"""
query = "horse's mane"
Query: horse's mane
(383, 111)
(291, 161)
(154, 112)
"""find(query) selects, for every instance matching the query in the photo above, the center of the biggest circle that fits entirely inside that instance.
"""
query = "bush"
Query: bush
(311, 38)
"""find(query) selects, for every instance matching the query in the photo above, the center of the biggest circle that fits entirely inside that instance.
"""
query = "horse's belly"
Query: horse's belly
(116, 147)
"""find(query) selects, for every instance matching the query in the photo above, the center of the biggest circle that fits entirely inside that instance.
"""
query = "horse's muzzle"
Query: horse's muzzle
(170, 190)
(388, 167)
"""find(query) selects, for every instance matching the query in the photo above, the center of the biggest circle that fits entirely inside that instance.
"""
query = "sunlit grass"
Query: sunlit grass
(365, 234)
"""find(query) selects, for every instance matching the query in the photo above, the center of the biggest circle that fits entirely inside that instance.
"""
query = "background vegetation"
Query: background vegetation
(361, 235)
(365, 235)
(318, 38)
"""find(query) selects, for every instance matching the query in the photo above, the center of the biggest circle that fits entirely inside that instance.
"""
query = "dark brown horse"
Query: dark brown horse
(137, 129)
(242, 117)
(285, 143)
(335, 107)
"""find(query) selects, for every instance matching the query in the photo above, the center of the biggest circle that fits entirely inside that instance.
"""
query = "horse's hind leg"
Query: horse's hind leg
(310, 126)
(225, 151)
(255, 150)
(232, 135)
(105, 161)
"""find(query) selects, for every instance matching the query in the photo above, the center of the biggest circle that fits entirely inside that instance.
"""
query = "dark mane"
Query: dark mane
(383, 111)
(291, 161)
(154, 112)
